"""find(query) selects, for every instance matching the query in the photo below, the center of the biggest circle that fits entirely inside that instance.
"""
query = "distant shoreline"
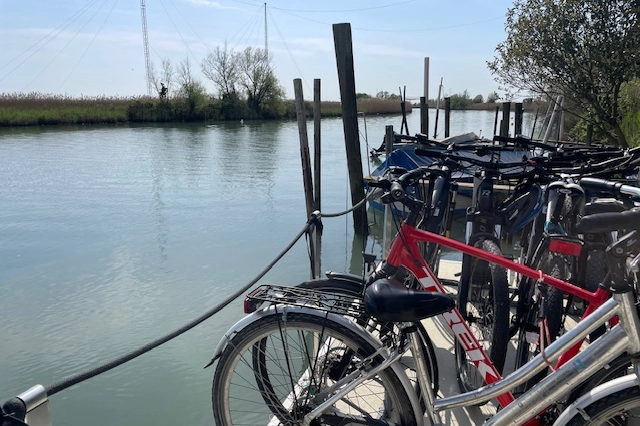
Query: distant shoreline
(35, 110)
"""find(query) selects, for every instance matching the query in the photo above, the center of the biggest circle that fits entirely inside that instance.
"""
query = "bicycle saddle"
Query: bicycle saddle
(393, 302)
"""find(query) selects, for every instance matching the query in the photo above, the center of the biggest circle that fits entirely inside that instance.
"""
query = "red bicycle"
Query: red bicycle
(319, 373)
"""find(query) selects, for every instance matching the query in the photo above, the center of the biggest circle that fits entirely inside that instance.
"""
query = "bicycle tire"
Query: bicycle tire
(253, 386)
(615, 409)
(483, 300)
(528, 335)
(595, 269)
(354, 289)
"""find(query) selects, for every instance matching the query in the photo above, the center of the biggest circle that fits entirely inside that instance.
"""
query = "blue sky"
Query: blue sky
(94, 47)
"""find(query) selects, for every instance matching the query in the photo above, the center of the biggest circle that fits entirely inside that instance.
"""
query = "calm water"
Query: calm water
(113, 236)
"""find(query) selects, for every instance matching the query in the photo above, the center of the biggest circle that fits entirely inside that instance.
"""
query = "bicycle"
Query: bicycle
(376, 365)
(555, 246)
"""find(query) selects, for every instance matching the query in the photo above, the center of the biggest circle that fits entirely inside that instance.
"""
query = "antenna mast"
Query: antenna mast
(266, 40)
(145, 41)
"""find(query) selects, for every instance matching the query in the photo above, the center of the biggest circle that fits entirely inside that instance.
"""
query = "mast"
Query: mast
(266, 40)
(145, 41)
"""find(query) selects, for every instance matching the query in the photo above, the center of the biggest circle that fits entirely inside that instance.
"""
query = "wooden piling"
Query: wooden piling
(517, 125)
(316, 143)
(304, 146)
(346, 78)
(316, 237)
(424, 116)
(495, 122)
(387, 231)
(506, 112)
(447, 115)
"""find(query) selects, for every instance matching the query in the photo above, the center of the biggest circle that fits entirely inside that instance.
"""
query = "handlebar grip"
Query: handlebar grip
(15, 407)
(397, 191)
(601, 185)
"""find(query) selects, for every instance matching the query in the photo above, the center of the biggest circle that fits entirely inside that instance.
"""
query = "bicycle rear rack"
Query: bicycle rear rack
(322, 300)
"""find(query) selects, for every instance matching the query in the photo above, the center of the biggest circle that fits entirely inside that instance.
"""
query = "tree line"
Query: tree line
(246, 88)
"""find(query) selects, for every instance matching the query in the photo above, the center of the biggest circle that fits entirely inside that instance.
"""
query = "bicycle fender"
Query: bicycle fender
(596, 394)
(271, 310)
(371, 339)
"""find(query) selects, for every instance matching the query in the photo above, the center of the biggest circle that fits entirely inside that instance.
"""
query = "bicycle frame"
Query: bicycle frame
(404, 251)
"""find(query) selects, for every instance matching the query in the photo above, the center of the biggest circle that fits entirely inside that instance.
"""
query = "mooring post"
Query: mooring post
(317, 234)
(426, 95)
(495, 122)
(346, 77)
(304, 146)
(424, 116)
(447, 115)
(387, 232)
(506, 112)
(517, 125)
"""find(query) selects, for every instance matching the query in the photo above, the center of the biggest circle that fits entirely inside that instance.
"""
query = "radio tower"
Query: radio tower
(145, 41)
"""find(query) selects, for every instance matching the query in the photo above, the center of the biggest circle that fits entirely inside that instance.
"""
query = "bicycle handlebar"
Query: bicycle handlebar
(459, 158)
(614, 188)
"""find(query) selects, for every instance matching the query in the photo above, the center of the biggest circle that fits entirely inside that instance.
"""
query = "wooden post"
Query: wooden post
(447, 115)
(506, 112)
(346, 77)
(517, 125)
(587, 141)
(495, 122)
(424, 116)
(426, 95)
(317, 234)
(316, 142)
(561, 121)
(304, 146)
(387, 232)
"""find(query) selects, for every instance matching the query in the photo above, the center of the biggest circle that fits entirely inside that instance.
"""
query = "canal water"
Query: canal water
(111, 237)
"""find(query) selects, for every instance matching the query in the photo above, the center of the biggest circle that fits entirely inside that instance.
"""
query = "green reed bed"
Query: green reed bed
(28, 109)
(19, 109)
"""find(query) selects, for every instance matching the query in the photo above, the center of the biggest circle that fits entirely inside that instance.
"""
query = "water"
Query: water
(111, 237)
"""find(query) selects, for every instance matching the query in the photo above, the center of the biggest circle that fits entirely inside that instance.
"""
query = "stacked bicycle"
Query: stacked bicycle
(318, 357)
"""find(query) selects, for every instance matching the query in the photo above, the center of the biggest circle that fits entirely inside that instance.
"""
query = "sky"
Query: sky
(95, 47)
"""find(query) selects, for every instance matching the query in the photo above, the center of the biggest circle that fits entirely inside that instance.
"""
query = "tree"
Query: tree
(363, 96)
(166, 77)
(492, 97)
(222, 67)
(191, 90)
(386, 95)
(583, 49)
(460, 100)
(478, 99)
(258, 79)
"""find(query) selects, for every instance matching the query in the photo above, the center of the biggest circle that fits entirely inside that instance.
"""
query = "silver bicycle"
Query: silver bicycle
(303, 358)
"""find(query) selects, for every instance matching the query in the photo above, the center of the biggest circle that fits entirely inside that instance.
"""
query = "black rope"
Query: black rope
(77, 378)
(355, 207)
(84, 375)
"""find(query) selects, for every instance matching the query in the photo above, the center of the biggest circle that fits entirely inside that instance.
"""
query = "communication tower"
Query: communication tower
(145, 40)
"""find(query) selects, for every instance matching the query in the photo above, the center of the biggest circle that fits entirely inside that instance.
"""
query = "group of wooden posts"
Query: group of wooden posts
(312, 185)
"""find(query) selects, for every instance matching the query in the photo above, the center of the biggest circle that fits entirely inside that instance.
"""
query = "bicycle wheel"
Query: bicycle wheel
(529, 334)
(619, 408)
(483, 300)
(272, 371)
(350, 288)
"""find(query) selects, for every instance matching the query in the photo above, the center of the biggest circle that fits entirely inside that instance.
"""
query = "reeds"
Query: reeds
(35, 108)
(20, 109)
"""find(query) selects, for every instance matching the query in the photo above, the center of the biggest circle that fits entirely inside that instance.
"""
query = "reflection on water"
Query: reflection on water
(112, 236)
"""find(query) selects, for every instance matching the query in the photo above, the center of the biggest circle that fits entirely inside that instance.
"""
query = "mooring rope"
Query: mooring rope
(92, 372)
